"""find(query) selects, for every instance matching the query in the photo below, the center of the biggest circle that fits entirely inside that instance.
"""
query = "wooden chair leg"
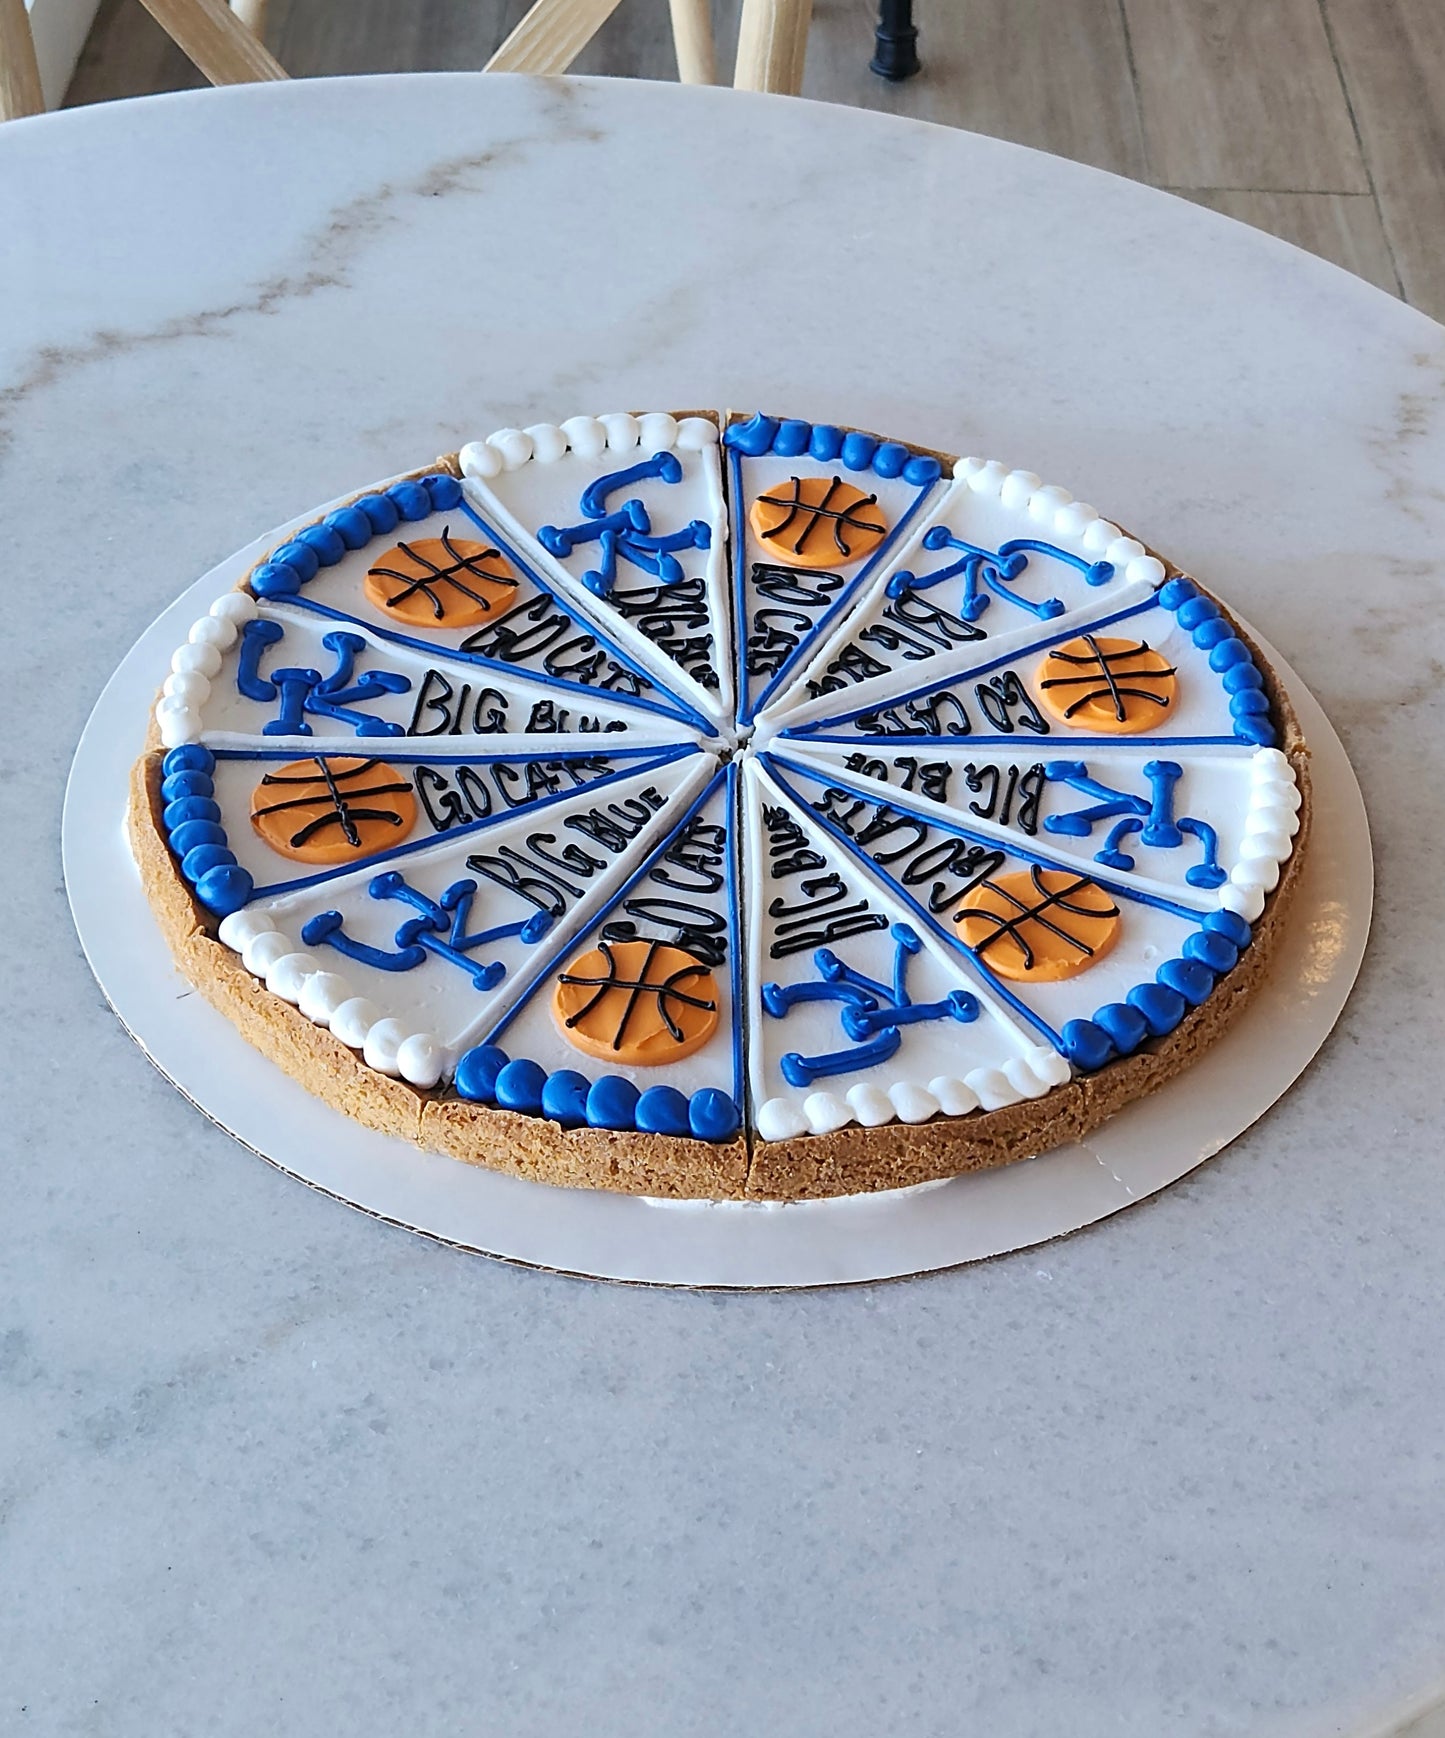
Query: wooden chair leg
(551, 36)
(210, 34)
(772, 45)
(252, 14)
(692, 38)
(20, 92)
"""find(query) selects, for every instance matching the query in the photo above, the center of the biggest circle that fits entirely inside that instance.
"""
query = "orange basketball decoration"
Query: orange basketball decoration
(1119, 687)
(440, 582)
(1038, 925)
(818, 522)
(333, 810)
(642, 1002)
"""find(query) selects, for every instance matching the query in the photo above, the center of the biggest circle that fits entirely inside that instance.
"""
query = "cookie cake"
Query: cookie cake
(721, 805)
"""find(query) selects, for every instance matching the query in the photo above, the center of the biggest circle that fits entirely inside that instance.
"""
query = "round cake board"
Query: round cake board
(740, 1245)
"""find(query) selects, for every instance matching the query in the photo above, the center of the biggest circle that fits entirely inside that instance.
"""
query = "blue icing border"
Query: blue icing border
(297, 562)
(486, 1074)
(1229, 658)
(192, 822)
(854, 449)
(1152, 1009)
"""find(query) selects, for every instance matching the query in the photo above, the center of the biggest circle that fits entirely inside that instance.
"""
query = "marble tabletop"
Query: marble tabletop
(266, 1464)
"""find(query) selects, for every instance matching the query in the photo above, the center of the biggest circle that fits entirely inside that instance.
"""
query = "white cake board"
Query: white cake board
(1136, 1153)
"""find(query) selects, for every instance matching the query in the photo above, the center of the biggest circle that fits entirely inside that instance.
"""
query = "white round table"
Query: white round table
(272, 1465)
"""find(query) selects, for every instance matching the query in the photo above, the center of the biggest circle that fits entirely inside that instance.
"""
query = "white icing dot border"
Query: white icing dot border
(1056, 510)
(326, 998)
(1029, 1075)
(1270, 824)
(655, 431)
(194, 665)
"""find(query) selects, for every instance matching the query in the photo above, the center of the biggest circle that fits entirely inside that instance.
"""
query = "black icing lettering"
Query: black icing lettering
(970, 862)
(853, 664)
(572, 857)
(472, 786)
(918, 629)
(694, 927)
(448, 809)
(691, 862)
(930, 777)
(538, 630)
(884, 825)
(796, 585)
(542, 889)
(774, 636)
(432, 697)
(1008, 706)
(788, 850)
(813, 924)
(620, 822)
(940, 714)
(1011, 796)
(675, 618)
(443, 709)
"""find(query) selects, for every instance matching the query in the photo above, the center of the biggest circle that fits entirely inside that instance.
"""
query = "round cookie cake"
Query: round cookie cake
(721, 806)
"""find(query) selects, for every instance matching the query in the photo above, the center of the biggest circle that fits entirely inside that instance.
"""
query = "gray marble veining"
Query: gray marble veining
(264, 1461)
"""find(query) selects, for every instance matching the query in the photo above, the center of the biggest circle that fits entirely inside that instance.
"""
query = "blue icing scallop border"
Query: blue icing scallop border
(192, 821)
(486, 1074)
(855, 450)
(298, 561)
(1229, 657)
(1150, 1010)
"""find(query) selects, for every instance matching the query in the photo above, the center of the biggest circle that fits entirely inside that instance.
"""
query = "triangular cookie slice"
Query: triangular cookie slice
(857, 1013)
(289, 820)
(637, 1023)
(1176, 828)
(626, 512)
(300, 674)
(816, 510)
(1164, 668)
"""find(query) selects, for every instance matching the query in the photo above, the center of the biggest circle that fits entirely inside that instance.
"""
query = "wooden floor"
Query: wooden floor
(1321, 120)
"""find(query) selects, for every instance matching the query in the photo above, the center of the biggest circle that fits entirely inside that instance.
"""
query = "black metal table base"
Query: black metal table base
(895, 53)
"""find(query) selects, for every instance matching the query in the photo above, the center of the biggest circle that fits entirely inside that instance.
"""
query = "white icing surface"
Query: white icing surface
(443, 700)
(521, 499)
